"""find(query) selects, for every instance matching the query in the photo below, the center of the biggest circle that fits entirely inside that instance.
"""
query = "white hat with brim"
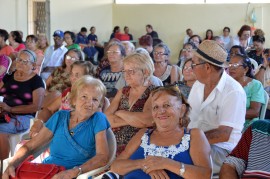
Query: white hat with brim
(213, 53)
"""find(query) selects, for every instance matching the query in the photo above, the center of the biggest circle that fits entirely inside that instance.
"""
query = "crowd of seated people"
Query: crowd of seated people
(214, 95)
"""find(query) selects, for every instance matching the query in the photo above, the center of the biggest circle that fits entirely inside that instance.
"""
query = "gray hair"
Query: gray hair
(165, 47)
(32, 55)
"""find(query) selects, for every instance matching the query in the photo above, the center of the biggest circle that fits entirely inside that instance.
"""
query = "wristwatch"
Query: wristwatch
(182, 169)
(80, 170)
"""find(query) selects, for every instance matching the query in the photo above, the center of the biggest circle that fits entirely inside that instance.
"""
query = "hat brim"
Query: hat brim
(223, 65)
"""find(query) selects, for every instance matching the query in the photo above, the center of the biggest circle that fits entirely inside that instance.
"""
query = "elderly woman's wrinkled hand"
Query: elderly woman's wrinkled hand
(67, 174)
(153, 163)
(10, 171)
(160, 174)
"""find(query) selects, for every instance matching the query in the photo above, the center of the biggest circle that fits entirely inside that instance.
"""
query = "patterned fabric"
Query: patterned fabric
(65, 105)
(252, 151)
(185, 90)
(179, 152)
(125, 133)
(252, 54)
(60, 80)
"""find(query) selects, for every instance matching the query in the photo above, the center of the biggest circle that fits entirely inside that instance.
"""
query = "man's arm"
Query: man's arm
(221, 134)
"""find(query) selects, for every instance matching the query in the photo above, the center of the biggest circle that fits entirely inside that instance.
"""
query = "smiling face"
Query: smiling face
(166, 110)
(71, 57)
(245, 35)
(159, 55)
(87, 101)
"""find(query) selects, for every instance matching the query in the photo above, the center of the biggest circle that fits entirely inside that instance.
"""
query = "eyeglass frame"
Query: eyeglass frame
(131, 71)
(68, 57)
(160, 53)
(234, 65)
(196, 64)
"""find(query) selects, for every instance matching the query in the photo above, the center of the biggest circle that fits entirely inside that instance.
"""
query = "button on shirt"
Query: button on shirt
(225, 105)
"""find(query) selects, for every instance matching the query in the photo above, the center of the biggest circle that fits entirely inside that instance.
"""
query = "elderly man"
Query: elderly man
(218, 102)
(54, 55)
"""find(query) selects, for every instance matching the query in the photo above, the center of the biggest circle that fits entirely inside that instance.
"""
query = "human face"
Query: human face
(68, 39)
(226, 32)
(133, 75)
(87, 101)
(160, 55)
(245, 35)
(258, 46)
(114, 54)
(196, 41)
(70, 58)
(126, 30)
(42, 41)
(188, 72)
(166, 111)
(31, 44)
(187, 51)
(234, 51)
(209, 34)
(190, 33)
(23, 63)
(10, 38)
(236, 68)
(198, 68)
(93, 31)
(58, 41)
(148, 30)
(76, 73)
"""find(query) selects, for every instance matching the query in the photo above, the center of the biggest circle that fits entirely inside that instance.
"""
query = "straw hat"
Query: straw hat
(211, 52)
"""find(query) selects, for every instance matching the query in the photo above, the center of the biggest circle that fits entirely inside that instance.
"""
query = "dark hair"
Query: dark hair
(33, 37)
(149, 26)
(83, 29)
(200, 40)
(78, 52)
(246, 64)
(72, 35)
(116, 28)
(146, 40)
(191, 44)
(242, 29)
(87, 65)
(188, 30)
(17, 36)
(209, 30)
(4, 34)
(257, 38)
(242, 50)
(120, 46)
(227, 29)
(91, 28)
(125, 27)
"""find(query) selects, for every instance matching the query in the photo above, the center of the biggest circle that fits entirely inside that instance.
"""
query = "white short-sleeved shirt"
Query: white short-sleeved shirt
(225, 105)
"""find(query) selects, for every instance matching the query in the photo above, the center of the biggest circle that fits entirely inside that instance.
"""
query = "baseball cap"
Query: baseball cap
(58, 33)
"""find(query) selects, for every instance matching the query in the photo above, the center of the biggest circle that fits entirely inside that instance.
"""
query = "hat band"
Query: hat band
(208, 57)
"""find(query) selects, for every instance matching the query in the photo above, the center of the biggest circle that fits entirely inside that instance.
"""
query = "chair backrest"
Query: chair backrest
(9, 64)
(112, 153)
(264, 106)
(254, 64)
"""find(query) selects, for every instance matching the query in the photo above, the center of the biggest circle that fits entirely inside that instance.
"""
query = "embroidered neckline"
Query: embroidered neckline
(161, 151)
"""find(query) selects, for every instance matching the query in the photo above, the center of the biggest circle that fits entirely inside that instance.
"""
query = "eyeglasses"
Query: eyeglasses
(112, 52)
(25, 62)
(194, 64)
(186, 50)
(71, 58)
(29, 41)
(186, 68)
(159, 53)
(130, 71)
(235, 65)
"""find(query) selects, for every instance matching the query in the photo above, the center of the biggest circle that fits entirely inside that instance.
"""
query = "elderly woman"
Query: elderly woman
(167, 73)
(78, 69)
(167, 150)
(257, 53)
(129, 47)
(241, 70)
(23, 92)
(78, 136)
(43, 43)
(130, 109)
(109, 75)
(32, 44)
(243, 37)
(70, 40)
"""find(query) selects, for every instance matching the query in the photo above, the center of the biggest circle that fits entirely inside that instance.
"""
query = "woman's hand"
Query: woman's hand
(159, 174)
(10, 171)
(153, 163)
(35, 128)
(67, 174)
(5, 107)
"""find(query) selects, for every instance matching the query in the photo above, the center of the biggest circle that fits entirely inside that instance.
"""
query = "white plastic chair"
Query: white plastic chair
(9, 64)
(264, 106)
(254, 64)
(112, 152)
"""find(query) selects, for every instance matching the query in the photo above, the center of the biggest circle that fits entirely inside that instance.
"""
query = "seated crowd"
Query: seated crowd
(195, 119)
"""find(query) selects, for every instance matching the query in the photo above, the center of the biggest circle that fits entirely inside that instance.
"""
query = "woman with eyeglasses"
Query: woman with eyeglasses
(167, 150)
(167, 73)
(241, 70)
(243, 38)
(110, 74)
(186, 53)
(23, 93)
(130, 109)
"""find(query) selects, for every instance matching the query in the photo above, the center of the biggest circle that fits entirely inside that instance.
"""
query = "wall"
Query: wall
(74, 14)
(13, 15)
(171, 21)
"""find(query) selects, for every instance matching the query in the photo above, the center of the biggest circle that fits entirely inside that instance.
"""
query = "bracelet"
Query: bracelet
(182, 169)
(80, 170)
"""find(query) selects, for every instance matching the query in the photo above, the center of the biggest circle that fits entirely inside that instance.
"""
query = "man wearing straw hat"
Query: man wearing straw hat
(218, 102)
